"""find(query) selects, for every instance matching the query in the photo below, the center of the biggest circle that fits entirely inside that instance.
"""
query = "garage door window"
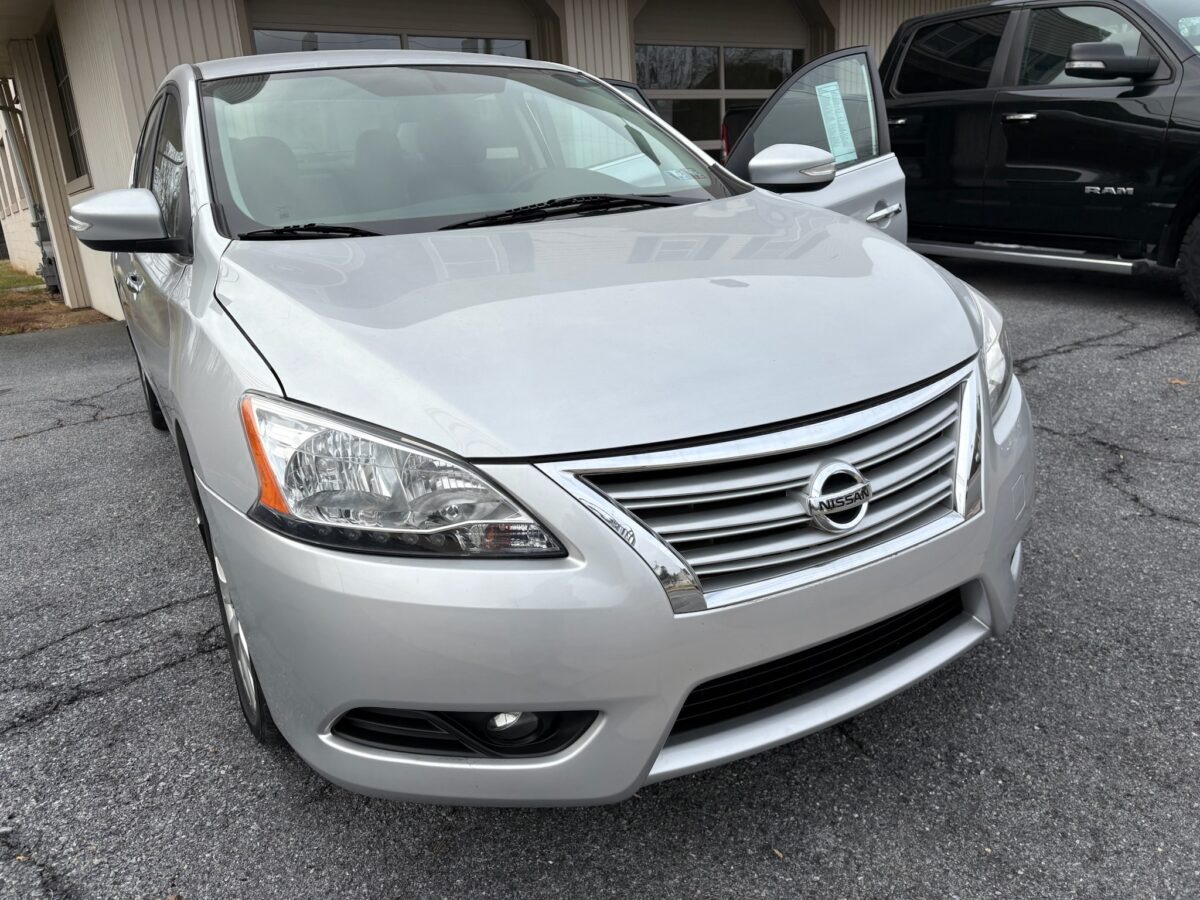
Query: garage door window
(287, 41)
(692, 86)
(952, 56)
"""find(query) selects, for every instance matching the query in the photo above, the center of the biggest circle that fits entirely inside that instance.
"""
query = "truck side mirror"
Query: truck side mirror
(1105, 61)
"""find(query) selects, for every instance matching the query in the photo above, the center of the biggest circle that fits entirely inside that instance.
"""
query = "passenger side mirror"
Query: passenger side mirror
(1105, 61)
(123, 221)
(792, 167)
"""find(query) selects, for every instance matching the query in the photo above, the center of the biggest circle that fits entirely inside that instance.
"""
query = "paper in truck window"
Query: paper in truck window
(837, 125)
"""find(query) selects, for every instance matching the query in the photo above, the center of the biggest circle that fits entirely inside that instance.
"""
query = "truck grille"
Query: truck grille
(771, 683)
(742, 520)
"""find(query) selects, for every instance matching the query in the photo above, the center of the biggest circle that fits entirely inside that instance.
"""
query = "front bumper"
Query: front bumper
(331, 631)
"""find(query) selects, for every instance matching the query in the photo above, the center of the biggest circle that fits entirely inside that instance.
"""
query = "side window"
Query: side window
(1052, 31)
(168, 173)
(832, 106)
(952, 56)
(145, 152)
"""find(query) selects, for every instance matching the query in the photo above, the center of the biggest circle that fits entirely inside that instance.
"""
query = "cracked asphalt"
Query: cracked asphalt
(1060, 761)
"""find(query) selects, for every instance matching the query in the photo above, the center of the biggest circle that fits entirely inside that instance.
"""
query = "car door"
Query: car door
(941, 84)
(834, 103)
(1075, 162)
(152, 279)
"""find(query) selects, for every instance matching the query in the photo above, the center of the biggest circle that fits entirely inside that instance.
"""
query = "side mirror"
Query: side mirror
(1104, 61)
(123, 221)
(792, 167)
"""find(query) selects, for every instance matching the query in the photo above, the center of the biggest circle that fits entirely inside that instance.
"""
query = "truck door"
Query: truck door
(940, 96)
(1075, 162)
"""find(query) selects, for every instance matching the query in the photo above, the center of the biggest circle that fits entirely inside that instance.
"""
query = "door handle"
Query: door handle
(882, 215)
(1020, 117)
(896, 123)
(134, 283)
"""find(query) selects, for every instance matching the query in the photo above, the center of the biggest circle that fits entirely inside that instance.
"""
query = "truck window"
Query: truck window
(1053, 30)
(952, 56)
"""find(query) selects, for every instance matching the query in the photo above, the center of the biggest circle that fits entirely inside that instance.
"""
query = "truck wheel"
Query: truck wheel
(1189, 265)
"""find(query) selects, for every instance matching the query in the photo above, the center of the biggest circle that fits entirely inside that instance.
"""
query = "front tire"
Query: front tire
(1189, 265)
(245, 677)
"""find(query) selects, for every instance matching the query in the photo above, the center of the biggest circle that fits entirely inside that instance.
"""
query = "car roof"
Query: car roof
(345, 59)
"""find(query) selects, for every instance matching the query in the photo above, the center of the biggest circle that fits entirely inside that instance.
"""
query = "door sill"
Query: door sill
(1033, 256)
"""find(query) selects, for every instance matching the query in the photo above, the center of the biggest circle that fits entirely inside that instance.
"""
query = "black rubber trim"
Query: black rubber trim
(430, 733)
(790, 677)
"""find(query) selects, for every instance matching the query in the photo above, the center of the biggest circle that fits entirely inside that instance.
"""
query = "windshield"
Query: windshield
(404, 148)
(1183, 15)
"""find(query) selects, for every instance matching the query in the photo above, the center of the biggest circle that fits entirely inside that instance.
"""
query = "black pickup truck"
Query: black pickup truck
(1054, 133)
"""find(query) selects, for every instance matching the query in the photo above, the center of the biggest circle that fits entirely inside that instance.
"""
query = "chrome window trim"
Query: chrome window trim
(680, 582)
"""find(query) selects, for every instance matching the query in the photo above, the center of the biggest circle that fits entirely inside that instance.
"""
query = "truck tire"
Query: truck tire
(1189, 265)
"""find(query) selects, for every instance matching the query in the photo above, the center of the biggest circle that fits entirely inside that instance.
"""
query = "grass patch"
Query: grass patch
(25, 305)
(11, 278)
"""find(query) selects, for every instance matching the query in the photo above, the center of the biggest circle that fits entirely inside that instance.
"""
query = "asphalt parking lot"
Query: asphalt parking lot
(1060, 761)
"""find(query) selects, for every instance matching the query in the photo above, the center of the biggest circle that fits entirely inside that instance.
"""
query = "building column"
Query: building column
(47, 164)
(597, 36)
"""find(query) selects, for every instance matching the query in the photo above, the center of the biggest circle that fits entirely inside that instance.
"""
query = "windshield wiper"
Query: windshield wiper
(311, 230)
(562, 206)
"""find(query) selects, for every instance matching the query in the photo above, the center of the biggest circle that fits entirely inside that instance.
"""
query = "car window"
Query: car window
(407, 148)
(1182, 15)
(952, 56)
(145, 153)
(1053, 30)
(168, 176)
(832, 106)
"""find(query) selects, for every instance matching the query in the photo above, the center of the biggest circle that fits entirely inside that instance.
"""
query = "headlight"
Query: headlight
(329, 481)
(997, 360)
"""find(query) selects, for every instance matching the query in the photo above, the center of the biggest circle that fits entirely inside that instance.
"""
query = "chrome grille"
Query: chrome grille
(735, 516)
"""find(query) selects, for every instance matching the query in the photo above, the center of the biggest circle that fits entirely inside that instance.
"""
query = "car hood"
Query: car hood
(586, 334)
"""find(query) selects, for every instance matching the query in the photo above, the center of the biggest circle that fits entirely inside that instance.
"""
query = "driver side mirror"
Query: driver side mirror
(1105, 61)
(128, 220)
(792, 167)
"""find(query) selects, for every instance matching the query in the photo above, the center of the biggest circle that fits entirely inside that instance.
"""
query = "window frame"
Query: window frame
(51, 48)
(883, 135)
(1000, 75)
(146, 140)
(720, 93)
(155, 116)
(1021, 34)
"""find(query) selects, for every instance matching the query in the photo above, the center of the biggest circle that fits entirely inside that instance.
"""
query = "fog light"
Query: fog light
(512, 726)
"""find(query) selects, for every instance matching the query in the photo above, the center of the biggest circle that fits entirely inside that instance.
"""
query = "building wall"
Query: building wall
(20, 240)
(91, 43)
(24, 252)
(117, 53)
(596, 37)
(28, 69)
(155, 37)
(764, 23)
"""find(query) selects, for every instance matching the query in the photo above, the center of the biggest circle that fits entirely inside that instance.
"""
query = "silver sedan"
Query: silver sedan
(537, 456)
